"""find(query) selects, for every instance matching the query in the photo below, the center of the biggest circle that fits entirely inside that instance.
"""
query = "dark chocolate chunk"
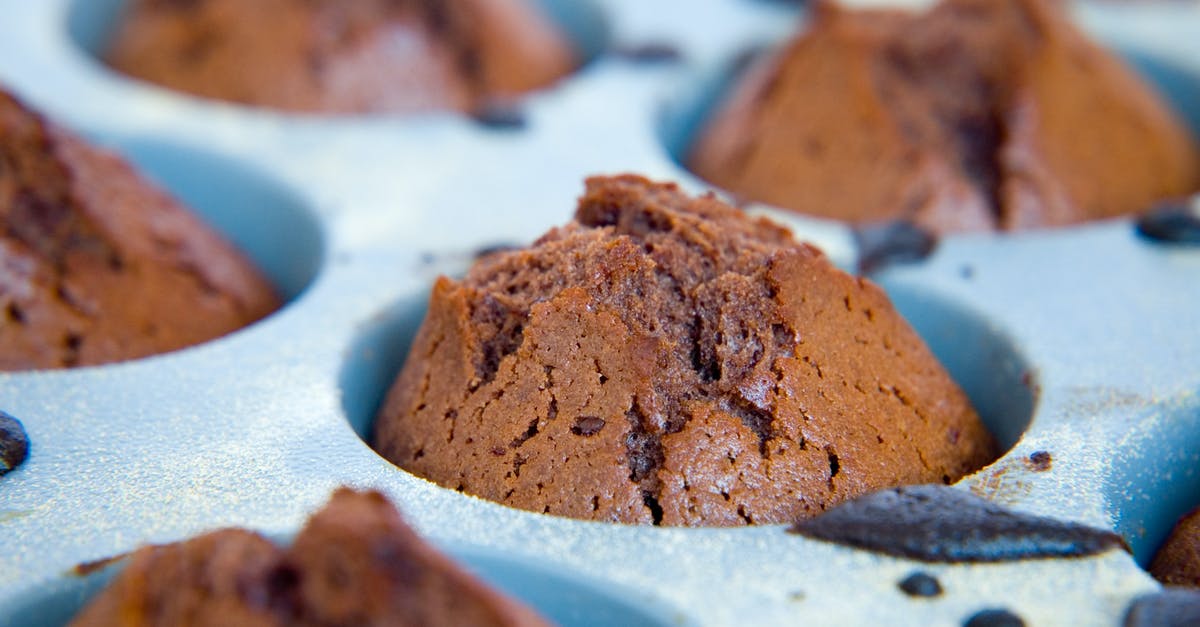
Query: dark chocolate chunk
(881, 245)
(501, 116)
(921, 584)
(1171, 222)
(14, 443)
(588, 425)
(994, 618)
(649, 53)
(1040, 461)
(1173, 607)
(936, 523)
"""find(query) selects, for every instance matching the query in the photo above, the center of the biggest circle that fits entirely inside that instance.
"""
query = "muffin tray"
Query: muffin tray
(1080, 347)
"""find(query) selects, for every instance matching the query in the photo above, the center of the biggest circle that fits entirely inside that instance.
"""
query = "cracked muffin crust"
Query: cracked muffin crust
(355, 563)
(976, 115)
(343, 56)
(97, 265)
(665, 359)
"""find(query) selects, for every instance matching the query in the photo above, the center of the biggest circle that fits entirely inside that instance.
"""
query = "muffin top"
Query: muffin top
(343, 56)
(974, 115)
(355, 563)
(98, 264)
(665, 359)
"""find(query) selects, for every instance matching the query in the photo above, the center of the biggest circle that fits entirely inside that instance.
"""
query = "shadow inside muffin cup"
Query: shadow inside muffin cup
(264, 219)
(91, 25)
(564, 598)
(1157, 480)
(984, 362)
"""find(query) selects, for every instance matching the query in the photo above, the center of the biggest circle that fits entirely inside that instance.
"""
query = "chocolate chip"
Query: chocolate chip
(1173, 607)
(501, 116)
(882, 245)
(936, 523)
(587, 425)
(921, 584)
(649, 53)
(1172, 222)
(14, 443)
(1040, 461)
(994, 618)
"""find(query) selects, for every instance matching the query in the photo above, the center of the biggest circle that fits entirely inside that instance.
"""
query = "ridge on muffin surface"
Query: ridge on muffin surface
(355, 562)
(343, 56)
(666, 359)
(974, 115)
(98, 264)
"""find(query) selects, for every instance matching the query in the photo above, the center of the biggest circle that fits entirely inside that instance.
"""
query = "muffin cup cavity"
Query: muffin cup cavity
(268, 222)
(1158, 480)
(375, 357)
(985, 363)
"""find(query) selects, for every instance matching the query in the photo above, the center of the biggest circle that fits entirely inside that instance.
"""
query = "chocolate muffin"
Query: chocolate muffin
(354, 563)
(344, 56)
(1177, 562)
(976, 115)
(666, 359)
(98, 264)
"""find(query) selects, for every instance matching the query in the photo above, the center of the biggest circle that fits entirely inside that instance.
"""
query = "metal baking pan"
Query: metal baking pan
(1081, 343)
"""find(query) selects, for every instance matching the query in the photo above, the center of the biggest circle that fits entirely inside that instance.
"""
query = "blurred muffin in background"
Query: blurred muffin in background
(343, 56)
(975, 115)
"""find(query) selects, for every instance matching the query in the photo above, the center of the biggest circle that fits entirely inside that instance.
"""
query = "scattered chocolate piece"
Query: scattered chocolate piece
(881, 245)
(936, 523)
(994, 618)
(14, 443)
(1173, 607)
(649, 53)
(1040, 461)
(921, 584)
(1171, 222)
(501, 116)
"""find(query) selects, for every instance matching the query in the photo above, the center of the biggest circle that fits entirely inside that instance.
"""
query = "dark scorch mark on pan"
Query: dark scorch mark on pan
(882, 245)
(920, 584)
(650, 53)
(501, 116)
(1172, 222)
(935, 523)
(996, 617)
